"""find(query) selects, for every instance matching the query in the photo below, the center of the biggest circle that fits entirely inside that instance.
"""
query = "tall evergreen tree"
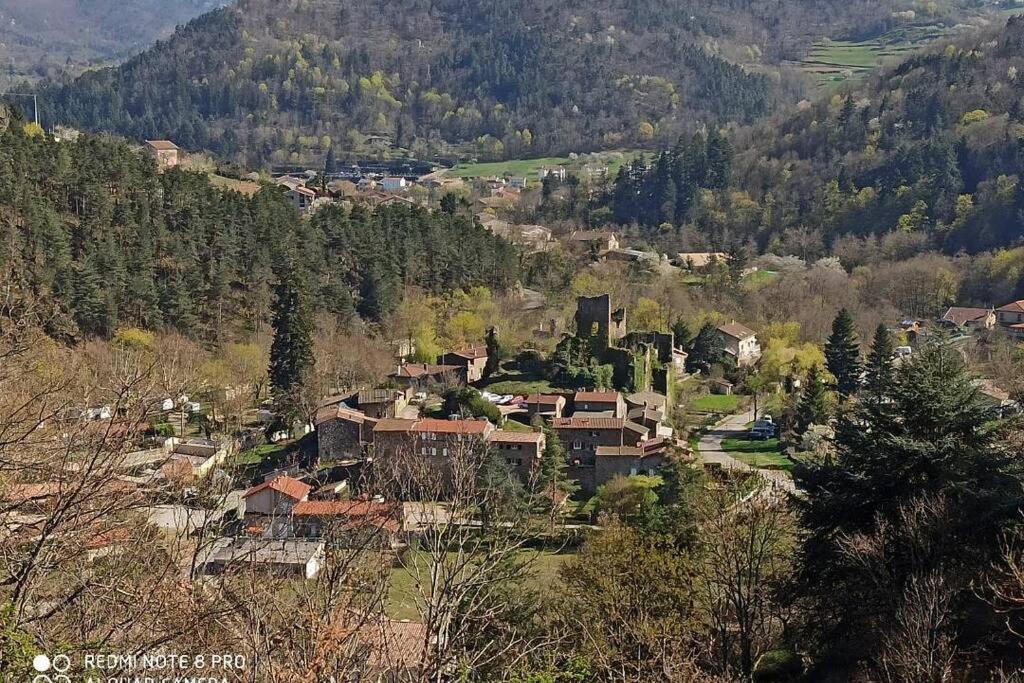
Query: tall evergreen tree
(681, 332)
(707, 349)
(931, 451)
(842, 354)
(879, 367)
(291, 354)
(813, 407)
(493, 353)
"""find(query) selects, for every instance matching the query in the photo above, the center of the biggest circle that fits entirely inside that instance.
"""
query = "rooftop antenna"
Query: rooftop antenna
(35, 101)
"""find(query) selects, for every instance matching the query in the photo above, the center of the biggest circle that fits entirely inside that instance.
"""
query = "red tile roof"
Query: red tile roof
(332, 412)
(545, 399)
(471, 353)
(451, 426)
(1013, 307)
(394, 424)
(293, 488)
(355, 512)
(961, 315)
(162, 145)
(603, 396)
(588, 423)
(502, 436)
(416, 370)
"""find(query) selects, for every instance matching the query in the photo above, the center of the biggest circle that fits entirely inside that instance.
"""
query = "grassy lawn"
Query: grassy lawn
(516, 383)
(714, 403)
(514, 426)
(403, 591)
(259, 454)
(765, 454)
(759, 278)
(528, 168)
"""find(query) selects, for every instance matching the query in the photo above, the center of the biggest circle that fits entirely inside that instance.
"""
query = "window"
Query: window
(577, 445)
(424, 451)
(632, 471)
(595, 434)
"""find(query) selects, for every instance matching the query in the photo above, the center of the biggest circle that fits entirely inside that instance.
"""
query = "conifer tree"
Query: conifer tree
(706, 350)
(842, 354)
(814, 402)
(291, 354)
(879, 367)
(493, 353)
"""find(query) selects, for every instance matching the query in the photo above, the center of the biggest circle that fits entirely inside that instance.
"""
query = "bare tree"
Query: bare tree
(745, 550)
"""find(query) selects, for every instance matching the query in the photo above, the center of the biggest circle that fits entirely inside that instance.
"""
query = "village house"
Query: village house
(349, 523)
(293, 558)
(471, 362)
(194, 458)
(272, 501)
(1011, 318)
(521, 451)
(422, 376)
(698, 260)
(632, 256)
(599, 403)
(602, 240)
(582, 436)
(428, 437)
(301, 197)
(645, 459)
(548, 406)
(164, 151)
(740, 342)
(969, 319)
(559, 173)
(342, 433)
(378, 403)
(394, 184)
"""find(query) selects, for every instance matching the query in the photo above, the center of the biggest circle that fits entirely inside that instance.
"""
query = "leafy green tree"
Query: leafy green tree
(814, 406)
(291, 354)
(552, 481)
(842, 354)
(707, 349)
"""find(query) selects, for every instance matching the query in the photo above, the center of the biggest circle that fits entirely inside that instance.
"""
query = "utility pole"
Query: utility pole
(35, 101)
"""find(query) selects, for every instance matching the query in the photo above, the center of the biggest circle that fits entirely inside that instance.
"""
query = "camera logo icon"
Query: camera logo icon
(59, 665)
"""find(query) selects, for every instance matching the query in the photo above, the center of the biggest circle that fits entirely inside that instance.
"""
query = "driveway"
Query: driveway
(735, 426)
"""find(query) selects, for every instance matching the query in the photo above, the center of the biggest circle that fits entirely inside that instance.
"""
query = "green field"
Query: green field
(714, 403)
(403, 593)
(528, 168)
(765, 453)
(833, 62)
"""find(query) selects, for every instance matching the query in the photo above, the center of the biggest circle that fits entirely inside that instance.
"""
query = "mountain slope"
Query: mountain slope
(282, 81)
(38, 38)
(933, 146)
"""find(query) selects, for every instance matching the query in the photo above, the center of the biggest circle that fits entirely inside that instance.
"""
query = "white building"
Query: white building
(393, 184)
(740, 342)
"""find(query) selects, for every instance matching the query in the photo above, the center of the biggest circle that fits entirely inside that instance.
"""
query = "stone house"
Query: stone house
(164, 151)
(342, 433)
(582, 436)
(610, 402)
(548, 406)
(522, 451)
(471, 360)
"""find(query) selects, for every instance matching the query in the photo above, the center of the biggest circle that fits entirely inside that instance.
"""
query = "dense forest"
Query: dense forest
(50, 37)
(932, 147)
(285, 82)
(93, 231)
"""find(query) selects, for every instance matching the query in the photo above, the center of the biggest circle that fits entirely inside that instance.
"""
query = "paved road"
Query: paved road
(734, 425)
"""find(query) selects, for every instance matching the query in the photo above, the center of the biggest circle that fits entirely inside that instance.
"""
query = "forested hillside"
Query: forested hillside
(284, 82)
(92, 232)
(932, 147)
(44, 37)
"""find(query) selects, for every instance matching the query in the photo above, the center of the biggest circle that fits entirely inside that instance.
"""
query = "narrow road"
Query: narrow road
(735, 426)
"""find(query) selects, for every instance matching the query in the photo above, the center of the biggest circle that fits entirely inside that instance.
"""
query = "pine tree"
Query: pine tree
(814, 405)
(879, 367)
(927, 470)
(493, 353)
(552, 480)
(842, 354)
(681, 332)
(707, 349)
(291, 354)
